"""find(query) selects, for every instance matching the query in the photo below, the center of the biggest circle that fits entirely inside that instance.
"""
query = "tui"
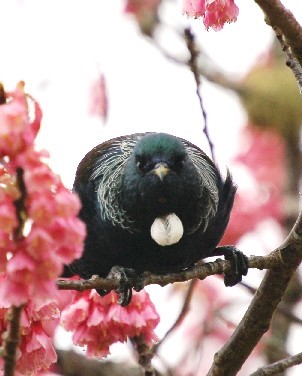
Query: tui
(152, 202)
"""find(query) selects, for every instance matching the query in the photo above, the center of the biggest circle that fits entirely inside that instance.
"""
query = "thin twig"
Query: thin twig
(145, 355)
(184, 311)
(279, 366)
(20, 205)
(12, 336)
(193, 64)
(2, 94)
(12, 340)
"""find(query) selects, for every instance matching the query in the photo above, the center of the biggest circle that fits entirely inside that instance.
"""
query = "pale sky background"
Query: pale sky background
(59, 48)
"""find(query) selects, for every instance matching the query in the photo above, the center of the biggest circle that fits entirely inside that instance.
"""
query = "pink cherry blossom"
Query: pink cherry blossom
(26, 277)
(215, 13)
(36, 351)
(8, 220)
(194, 8)
(17, 130)
(218, 12)
(98, 322)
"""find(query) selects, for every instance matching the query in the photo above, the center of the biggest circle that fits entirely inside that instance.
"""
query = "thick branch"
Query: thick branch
(71, 363)
(282, 18)
(256, 320)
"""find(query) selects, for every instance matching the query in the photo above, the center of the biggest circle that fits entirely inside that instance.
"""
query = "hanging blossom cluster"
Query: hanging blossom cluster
(39, 232)
(215, 13)
(97, 322)
(39, 228)
(36, 352)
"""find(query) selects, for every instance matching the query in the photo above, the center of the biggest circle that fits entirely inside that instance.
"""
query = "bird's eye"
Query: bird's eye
(140, 163)
(179, 163)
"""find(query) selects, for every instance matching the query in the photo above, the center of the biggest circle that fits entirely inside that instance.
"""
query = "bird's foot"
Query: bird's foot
(128, 279)
(239, 264)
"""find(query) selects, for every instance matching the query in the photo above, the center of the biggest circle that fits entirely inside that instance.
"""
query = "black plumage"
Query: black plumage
(131, 184)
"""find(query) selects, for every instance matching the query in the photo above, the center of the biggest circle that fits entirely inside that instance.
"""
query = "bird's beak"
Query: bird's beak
(161, 170)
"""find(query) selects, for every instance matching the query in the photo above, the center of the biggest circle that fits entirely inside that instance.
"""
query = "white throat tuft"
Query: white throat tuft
(167, 230)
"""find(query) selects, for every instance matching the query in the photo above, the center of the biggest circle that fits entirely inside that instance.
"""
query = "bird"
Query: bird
(152, 202)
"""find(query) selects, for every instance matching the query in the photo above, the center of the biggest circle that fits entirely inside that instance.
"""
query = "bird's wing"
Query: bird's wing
(209, 178)
(107, 172)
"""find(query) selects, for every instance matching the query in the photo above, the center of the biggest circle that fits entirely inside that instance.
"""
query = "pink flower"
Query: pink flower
(194, 8)
(27, 278)
(67, 205)
(17, 130)
(8, 220)
(69, 234)
(40, 178)
(218, 12)
(36, 351)
(215, 13)
(98, 322)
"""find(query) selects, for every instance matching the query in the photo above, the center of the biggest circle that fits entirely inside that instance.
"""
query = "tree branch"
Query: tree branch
(71, 363)
(257, 318)
(183, 313)
(12, 340)
(145, 355)
(219, 266)
(291, 60)
(279, 366)
(193, 64)
(12, 336)
(282, 18)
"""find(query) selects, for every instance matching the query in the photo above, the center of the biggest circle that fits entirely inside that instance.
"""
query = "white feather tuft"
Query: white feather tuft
(167, 230)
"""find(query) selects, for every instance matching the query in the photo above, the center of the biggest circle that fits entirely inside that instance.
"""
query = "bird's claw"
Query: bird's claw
(239, 264)
(128, 279)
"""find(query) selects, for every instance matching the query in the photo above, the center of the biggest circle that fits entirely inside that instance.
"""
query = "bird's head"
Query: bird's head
(159, 154)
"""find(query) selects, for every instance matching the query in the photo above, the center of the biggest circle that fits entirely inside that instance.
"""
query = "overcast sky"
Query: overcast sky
(59, 47)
